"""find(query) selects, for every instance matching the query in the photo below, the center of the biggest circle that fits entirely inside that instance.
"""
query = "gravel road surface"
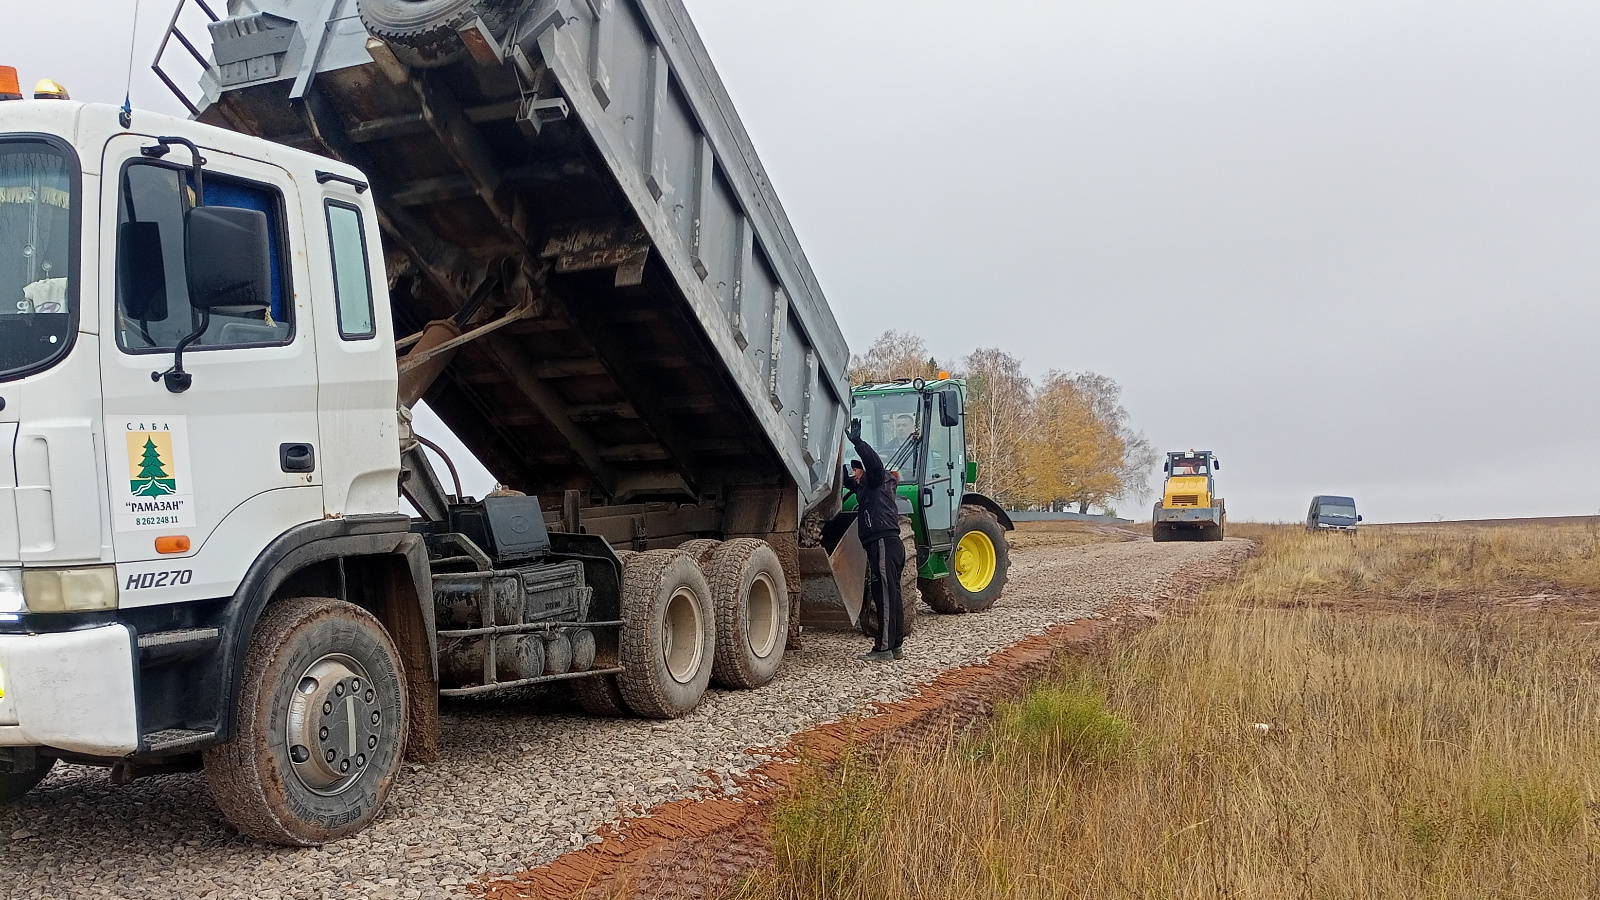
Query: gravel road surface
(521, 782)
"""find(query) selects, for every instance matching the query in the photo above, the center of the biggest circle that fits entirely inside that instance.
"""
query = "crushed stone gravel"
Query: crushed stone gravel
(523, 780)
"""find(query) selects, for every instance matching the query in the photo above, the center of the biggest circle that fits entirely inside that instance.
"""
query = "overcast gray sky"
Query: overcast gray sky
(1353, 246)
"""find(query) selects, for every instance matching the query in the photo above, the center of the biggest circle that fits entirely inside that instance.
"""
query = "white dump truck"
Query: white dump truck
(221, 542)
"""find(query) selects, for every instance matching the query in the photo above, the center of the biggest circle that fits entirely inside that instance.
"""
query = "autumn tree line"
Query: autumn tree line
(1062, 442)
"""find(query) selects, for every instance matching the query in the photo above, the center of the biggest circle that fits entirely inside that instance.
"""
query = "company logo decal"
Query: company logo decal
(156, 453)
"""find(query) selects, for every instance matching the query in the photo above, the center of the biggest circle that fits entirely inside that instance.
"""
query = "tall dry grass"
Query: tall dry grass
(1263, 750)
(1419, 562)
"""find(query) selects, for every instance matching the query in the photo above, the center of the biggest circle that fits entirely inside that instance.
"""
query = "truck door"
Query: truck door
(201, 480)
(360, 454)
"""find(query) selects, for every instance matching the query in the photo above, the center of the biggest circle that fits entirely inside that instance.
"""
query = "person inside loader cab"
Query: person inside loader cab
(878, 521)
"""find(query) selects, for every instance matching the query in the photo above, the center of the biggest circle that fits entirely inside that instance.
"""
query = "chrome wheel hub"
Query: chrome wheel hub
(334, 724)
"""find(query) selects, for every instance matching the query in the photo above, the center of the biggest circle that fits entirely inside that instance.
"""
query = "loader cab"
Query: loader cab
(1332, 513)
(918, 429)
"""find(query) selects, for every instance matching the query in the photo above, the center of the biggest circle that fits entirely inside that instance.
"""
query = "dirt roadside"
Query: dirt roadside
(696, 848)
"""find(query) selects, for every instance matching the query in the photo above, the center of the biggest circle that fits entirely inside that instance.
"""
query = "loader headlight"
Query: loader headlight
(70, 590)
(11, 591)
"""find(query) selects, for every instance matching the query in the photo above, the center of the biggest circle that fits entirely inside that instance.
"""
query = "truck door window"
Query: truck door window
(37, 277)
(351, 284)
(153, 311)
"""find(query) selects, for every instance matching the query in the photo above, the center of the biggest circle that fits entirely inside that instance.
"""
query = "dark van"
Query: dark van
(1330, 513)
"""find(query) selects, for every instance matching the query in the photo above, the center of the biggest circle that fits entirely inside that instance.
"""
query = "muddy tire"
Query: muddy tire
(600, 696)
(980, 563)
(670, 636)
(701, 549)
(321, 727)
(910, 594)
(14, 784)
(751, 599)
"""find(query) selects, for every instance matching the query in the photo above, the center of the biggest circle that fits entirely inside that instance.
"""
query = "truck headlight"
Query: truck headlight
(70, 590)
(11, 591)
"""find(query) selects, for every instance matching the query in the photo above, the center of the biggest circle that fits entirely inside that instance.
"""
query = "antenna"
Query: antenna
(126, 119)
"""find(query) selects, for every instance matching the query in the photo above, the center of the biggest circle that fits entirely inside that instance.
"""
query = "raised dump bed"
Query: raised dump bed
(572, 177)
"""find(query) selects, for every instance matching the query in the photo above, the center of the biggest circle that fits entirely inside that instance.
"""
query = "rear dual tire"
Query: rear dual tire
(668, 635)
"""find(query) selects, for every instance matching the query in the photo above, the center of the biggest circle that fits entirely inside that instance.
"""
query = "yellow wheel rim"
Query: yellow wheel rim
(976, 561)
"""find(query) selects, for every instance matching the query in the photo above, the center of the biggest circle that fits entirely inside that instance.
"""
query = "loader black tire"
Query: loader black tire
(751, 599)
(986, 535)
(424, 33)
(303, 784)
(14, 784)
(669, 635)
(910, 595)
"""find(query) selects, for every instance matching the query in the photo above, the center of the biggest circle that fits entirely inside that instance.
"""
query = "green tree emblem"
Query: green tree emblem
(153, 480)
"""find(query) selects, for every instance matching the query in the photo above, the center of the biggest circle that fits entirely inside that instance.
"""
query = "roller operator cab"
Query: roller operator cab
(956, 549)
(1189, 509)
(1331, 513)
(204, 557)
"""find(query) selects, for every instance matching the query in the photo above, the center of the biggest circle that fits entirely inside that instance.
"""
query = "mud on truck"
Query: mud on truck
(542, 218)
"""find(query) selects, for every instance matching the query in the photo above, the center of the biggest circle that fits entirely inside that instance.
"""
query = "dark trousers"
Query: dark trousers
(886, 557)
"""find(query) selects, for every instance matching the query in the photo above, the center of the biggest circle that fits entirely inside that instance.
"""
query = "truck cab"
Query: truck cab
(1332, 513)
(1189, 508)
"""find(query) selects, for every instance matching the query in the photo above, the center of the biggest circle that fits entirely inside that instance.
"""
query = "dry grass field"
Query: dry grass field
(1384, 715)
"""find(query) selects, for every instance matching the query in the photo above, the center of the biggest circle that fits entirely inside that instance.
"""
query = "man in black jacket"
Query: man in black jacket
(878, 521)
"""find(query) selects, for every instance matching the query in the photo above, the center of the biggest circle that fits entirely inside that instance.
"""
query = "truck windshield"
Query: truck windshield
(887, 422)
(1189, 465)
(1331, 511)
(36, 277)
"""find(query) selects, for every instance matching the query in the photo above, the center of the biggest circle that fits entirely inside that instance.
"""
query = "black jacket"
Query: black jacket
(875, 499)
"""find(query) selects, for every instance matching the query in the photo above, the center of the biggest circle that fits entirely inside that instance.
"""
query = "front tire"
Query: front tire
(979, 565)
(14, 784)
(752, 603)
(321, 725)
(669, 636)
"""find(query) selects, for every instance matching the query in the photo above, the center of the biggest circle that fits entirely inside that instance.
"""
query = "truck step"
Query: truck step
(174, 740)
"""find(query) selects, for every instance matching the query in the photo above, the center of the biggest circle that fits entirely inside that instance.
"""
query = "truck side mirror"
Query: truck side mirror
(228, 259)
(229, 268)
(949, 409)
(1358, 518)
(1166, 466)
(1216, 464)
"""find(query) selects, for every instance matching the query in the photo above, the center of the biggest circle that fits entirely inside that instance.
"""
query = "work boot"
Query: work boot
(898, 653)
(877, 655)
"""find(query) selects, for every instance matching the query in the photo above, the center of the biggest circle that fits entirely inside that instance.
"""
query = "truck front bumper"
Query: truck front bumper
(70, 690)
(1190, 515)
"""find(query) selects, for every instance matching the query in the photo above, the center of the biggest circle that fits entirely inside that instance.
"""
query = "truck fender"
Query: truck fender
(398, 590)
(971, 499)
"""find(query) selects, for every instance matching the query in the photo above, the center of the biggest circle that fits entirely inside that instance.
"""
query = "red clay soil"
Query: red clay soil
(697, 848)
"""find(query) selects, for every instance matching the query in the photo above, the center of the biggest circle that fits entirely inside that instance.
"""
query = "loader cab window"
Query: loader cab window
(888, 423)
(153, 311)
(38, 281)
(1190, 465)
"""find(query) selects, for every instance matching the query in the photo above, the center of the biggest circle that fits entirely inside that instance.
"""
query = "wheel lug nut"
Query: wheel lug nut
(331, 754)
(372, 742)
(344, 766)
(327, 707)
(370, 695)
(323, 734)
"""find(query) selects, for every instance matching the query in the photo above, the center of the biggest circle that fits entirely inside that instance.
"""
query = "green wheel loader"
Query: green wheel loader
(957, 556)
